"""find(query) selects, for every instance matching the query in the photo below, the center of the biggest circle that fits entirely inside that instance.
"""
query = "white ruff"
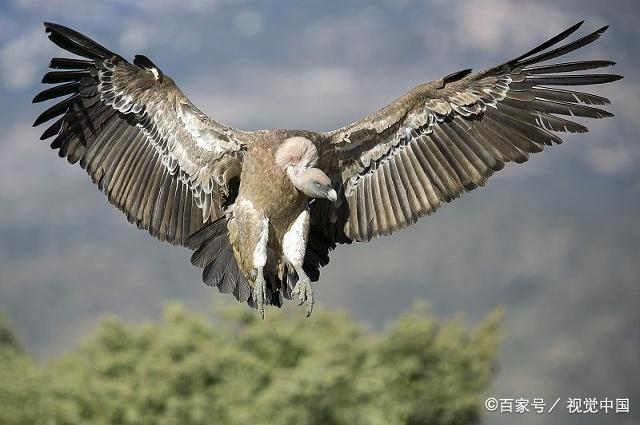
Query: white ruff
(294, 242)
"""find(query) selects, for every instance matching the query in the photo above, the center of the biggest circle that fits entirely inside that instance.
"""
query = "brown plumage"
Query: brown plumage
(262, 210)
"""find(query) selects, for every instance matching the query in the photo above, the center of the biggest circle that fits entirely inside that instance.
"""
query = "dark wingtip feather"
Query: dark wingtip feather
(559, 51)
(598, 33)
(57, 91)
(55, 77)
(570, 80)
(75, 42)
(552, 41)
(50, 27)
(605, 63)
(573, 28)
(54, 129)
(68, 63)
(41, 119)
(55, 110)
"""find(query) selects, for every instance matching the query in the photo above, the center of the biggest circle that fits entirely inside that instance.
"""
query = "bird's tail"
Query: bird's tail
(214, 253)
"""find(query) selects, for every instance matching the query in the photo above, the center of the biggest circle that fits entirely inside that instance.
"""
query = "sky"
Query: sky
(553, 242)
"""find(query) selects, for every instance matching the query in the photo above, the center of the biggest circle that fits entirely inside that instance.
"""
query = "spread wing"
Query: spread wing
(159, 159)
(446, 137)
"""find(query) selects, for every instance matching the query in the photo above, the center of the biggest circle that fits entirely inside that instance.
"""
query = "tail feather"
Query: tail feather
(214, 253)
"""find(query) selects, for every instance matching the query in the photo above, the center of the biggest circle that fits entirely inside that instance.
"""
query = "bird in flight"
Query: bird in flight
(262, 209)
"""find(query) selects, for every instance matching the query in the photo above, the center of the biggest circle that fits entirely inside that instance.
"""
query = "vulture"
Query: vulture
(261, 210)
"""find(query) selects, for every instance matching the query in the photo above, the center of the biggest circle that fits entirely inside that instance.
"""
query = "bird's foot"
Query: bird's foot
(305, 293)
(259, 293)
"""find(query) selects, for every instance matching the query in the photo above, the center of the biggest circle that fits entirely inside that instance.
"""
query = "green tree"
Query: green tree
(22, 393)
(239, 369)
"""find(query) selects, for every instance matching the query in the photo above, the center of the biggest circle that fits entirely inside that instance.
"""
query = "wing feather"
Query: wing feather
(446, 137)
(156, 156)
(409, 180)
(371, 216)
(400, 191)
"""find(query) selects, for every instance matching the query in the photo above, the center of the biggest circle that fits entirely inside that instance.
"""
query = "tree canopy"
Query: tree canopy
(238, 369)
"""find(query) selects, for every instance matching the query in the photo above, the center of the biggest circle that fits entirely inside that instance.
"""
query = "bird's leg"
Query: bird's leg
(294, 245)
(259, 260)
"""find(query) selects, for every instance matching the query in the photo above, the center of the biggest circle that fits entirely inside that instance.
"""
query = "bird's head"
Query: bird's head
(297, 156)
(314, 183)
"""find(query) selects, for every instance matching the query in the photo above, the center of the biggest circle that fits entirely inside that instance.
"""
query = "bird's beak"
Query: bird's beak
(332, 195)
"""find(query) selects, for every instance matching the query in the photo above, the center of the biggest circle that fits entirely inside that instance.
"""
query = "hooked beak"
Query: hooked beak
(332, 195)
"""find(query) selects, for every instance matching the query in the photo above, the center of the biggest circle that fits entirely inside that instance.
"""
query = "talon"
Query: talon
(305, 293)
(297, 291)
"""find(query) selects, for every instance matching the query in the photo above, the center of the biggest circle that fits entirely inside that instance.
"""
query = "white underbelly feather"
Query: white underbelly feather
(294, 242)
